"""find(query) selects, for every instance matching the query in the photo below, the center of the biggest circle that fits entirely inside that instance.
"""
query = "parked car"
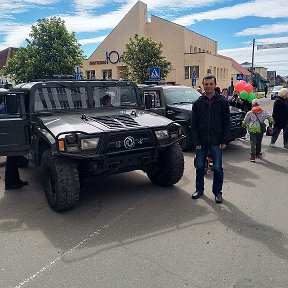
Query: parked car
(175, 102)
(71, 135)
(274, 92)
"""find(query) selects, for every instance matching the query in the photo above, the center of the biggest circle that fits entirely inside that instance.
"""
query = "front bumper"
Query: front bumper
(237, 132)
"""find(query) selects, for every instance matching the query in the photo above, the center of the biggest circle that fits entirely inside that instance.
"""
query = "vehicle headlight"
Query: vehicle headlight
(162, 134)
(89, 143)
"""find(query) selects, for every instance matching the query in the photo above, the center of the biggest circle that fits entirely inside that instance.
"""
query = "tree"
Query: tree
(140, 55)
(51, 50)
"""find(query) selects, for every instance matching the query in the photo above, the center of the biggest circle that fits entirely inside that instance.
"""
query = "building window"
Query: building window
(189, 71)
(195, 49)
(186, 72)
(107, 74)
(191, 48)
(90, 74)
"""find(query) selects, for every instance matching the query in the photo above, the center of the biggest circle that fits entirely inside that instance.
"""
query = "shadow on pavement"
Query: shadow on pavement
(242, 224)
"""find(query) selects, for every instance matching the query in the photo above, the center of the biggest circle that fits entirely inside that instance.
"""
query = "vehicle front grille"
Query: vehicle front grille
(129, 142)
(117, 121)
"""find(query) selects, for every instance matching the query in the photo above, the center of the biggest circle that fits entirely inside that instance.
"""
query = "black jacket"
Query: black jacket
(280, 112)
(210, 121)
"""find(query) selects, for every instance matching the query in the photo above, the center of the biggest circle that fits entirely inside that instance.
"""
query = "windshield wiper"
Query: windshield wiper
(182, 102)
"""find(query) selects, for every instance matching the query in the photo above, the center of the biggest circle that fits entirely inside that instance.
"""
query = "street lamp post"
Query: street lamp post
(252, 68)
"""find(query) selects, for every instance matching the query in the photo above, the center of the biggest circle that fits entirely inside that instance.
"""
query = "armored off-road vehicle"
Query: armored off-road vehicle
(175, 102)
(71, 132)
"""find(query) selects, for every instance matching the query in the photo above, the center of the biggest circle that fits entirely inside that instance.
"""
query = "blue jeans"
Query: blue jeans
(201, 158)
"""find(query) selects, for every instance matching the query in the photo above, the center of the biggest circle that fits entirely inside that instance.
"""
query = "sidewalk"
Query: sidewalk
(2, 161)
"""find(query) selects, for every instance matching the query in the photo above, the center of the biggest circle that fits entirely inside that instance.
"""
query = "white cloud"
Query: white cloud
(265, 30)
(257, 8)
(273, 59)
(13, 7)
(92, 40)
(15, 34)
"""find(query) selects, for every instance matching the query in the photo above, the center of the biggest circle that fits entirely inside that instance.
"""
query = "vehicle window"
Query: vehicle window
(180, 95)
(54, 98)
(119, 96)
(9, 106)
(152, 99)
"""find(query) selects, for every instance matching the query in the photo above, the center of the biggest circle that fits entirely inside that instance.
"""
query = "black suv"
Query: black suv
(71, 133)
(175, 102)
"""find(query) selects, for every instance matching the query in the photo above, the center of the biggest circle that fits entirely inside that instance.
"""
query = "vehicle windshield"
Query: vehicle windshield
(181, 95)
(67, 97)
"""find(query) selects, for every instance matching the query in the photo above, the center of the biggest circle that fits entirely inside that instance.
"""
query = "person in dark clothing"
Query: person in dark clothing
(280, 116)
(12, 178)
(210, 132)
(244, 105)
(265, 90)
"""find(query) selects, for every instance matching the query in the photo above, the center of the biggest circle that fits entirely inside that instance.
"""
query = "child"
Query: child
(254, 121)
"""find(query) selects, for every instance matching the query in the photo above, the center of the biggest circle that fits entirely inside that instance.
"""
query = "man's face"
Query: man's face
(209, 86)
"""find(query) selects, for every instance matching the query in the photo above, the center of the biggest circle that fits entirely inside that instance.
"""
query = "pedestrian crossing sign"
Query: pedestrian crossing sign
(154, 73)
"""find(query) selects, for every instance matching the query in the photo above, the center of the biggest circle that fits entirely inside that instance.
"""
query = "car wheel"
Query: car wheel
(60, 181)
(170, 167)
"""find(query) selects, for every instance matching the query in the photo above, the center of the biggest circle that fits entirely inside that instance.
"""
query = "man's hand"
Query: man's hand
(198, 147)
(222, 146)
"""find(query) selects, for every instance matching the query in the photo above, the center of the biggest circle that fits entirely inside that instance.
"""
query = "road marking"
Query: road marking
(49, 265)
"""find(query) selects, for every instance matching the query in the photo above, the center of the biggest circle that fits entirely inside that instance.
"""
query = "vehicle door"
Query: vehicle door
(14, 133)
(153, 101)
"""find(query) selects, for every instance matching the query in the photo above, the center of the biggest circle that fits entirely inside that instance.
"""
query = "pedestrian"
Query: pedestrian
(265, 90)
(12, 178)
(210, 133)
(280, 116)
(234, 99)
(254, 121)
(225, 93)
(199, 89)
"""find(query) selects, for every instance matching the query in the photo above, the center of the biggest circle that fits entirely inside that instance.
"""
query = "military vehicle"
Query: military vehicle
(71, 134)
(175, 102)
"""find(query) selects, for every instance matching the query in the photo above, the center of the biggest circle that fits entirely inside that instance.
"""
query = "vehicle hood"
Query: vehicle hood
(181, 111)
(104, 121)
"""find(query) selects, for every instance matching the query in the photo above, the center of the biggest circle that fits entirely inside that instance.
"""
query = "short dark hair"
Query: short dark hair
(209, 77)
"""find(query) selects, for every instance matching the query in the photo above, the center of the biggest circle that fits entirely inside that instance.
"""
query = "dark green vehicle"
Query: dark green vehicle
(71, 133)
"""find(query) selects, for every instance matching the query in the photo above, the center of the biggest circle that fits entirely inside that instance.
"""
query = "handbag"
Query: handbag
(269, 131)
(262, 125)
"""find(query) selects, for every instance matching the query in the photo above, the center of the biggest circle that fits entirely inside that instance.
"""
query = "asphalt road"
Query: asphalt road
(126, 232)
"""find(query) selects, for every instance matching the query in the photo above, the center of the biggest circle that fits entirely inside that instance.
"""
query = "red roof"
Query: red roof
(6, 54)
(237, 66)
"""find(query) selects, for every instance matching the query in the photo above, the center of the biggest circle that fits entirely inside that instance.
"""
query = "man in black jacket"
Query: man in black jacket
(210, 133)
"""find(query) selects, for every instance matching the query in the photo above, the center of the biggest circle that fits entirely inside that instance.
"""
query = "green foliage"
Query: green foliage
(140, 55)
(51, 50)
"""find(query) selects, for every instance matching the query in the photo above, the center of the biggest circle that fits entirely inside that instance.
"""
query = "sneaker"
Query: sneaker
(272, 145)
(259, 154)
(252, 158)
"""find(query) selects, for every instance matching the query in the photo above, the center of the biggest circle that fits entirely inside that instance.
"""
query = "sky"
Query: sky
(232, 23)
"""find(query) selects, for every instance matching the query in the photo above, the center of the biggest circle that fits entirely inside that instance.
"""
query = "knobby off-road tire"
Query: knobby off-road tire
(186, 143)
(170, 167)
(60, 181)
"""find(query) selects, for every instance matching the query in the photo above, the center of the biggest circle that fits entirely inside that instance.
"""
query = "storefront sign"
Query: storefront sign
(97, 62)
(113, 57)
